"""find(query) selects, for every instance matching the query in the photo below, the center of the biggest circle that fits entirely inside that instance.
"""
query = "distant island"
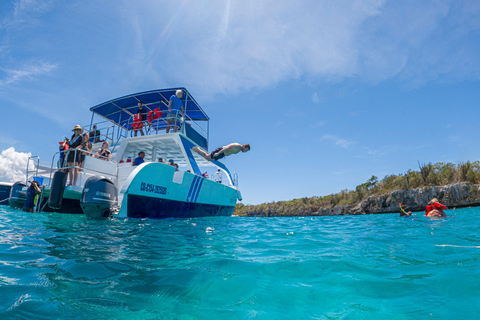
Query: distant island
(454, 185)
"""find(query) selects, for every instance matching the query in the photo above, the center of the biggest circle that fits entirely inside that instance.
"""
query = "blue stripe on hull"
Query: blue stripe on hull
(155, 208)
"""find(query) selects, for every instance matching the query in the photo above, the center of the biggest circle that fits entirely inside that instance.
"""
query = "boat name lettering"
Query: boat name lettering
(103, 194)
(148, 187)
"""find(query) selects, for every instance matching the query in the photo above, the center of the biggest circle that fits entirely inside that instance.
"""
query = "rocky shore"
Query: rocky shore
(455, 195)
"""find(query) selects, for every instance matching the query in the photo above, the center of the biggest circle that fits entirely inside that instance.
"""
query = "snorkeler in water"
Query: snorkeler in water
(403, 213)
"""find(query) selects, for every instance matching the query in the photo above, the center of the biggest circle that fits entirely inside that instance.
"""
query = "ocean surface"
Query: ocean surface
(60, 266)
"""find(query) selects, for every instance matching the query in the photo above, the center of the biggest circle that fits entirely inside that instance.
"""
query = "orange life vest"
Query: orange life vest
(154, 115)
(137, 122)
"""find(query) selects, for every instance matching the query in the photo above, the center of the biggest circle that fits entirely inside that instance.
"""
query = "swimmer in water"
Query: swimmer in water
(403, 213)
(435, 209)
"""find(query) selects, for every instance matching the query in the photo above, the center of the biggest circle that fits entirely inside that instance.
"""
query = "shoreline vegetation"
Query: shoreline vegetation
(455, 185)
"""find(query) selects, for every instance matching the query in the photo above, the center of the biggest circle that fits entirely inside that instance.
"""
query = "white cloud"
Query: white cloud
(316, 98)
(317, 124)
(344, 143)
(13, 165)
(231, 46)
(5, 139)
(26, 73)
(22, 8)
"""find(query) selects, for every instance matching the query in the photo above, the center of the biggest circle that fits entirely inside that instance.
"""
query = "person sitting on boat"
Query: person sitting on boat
(205, 175)
(139, 160)
(143, 114)
(219, 153)
(103, 153)
(94, 134)
(73, 157)
(160, 160)
(435, 209)
(175, 108)
(32, 191)
(173, 164)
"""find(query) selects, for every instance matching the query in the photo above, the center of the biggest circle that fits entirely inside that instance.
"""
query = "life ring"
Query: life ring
(137, 122)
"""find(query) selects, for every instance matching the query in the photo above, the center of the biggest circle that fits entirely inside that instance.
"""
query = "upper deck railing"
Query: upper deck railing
(178, 123)
(121, 111)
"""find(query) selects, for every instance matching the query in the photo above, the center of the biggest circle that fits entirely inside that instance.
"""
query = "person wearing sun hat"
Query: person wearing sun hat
(73, 156)
(435, 209)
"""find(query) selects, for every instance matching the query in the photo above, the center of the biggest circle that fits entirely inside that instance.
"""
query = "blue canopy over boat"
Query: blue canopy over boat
(121, 110)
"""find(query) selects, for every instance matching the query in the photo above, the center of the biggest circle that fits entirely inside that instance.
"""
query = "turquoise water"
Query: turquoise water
(55, 266)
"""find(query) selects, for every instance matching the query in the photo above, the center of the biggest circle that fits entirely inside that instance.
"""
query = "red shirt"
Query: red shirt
(436, 205)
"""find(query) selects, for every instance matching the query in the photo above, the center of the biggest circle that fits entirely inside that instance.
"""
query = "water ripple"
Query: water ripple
(56, 266)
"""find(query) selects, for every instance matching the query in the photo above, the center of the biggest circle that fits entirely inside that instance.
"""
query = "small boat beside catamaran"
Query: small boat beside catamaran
(116, 188)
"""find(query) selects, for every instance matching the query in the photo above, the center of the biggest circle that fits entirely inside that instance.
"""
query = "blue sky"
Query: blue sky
(328, 93)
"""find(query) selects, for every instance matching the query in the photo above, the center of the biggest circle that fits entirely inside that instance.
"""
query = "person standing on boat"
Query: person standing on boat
(175, 108)
(143, 114)
(219, 153)
(103, 153)
(139, 160)
(73, 157)
(32, 191)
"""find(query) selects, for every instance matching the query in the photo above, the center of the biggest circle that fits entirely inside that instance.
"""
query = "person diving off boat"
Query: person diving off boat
(219, 153)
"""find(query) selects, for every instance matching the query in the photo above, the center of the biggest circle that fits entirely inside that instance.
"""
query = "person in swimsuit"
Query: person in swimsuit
(435, 209)
(219, 153)
(32, 191)
(103, 153)
(86, 147)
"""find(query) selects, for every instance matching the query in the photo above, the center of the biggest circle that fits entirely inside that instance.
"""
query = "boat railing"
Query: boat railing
(155, 125)
(102, 126)
(235, 179)
(223, 179)
(63, 165)
(32, 173)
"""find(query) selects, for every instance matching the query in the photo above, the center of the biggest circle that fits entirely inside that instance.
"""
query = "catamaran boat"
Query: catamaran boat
(5, 188)
(116, 188)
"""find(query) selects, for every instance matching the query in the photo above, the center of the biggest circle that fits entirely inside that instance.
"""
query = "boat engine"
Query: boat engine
(17, 196)
(99, 197)
(56, 191)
